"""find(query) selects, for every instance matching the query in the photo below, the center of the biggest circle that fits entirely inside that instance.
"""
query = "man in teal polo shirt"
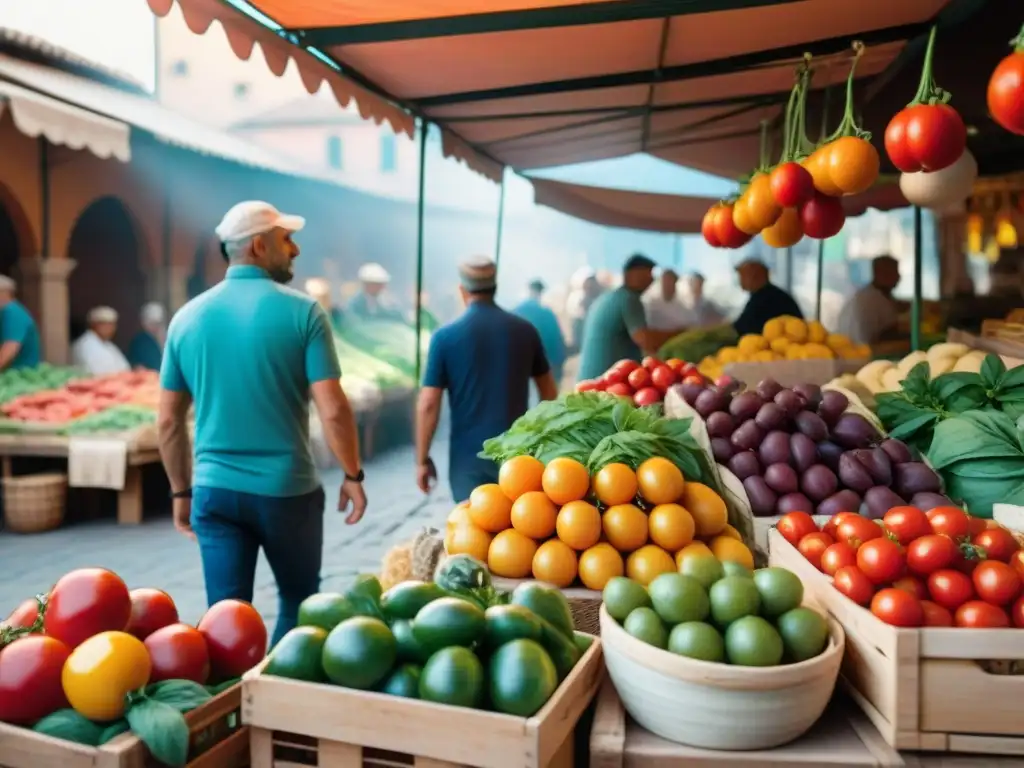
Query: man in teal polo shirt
(19, 337)
(616, 326)
(249, 353)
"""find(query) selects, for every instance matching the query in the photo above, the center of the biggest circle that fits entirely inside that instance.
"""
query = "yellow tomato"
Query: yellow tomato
(786, 231)
(102, 671)
(762, 210)
(741, 217)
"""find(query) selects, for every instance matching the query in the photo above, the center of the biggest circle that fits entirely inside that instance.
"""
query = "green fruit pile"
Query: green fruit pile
(419, 641)
(732, 616)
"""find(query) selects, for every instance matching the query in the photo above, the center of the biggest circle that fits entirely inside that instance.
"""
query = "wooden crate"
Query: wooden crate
(217, 740)
(296, 723)
(924, 689)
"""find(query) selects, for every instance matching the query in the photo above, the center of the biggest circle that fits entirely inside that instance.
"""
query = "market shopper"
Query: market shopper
(702, 311)
(371, 303)
(871, 315)
(146, 349)
(617, 327)
(95, 350)
(249, 353)
(546, 322)
(20, 346)
(662, 306)
(766, 301)
(484, 360)
(320, 290)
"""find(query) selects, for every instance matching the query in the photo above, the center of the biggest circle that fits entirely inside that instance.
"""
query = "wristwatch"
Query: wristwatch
(357, 478)
(185, 494)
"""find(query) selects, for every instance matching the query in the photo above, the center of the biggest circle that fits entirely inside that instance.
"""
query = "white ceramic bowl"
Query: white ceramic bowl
(719, 706)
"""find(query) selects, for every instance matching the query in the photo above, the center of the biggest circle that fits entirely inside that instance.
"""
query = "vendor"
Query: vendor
(871, 315)
(320, 290)
(19, 336)
(146, 349)
(702, 311)
(662, 305)
(371, 303)
(766, 302)
(95, 351)
(546, 322)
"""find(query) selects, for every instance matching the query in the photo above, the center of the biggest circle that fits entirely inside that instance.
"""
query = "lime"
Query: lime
(644, 624)
(751, 641)
(678, 598)
(706, 570)
(621, 596)
(404, 682)
(733, 598)
(731, 568)
(780, 591)
(804, 633)
(697, 640)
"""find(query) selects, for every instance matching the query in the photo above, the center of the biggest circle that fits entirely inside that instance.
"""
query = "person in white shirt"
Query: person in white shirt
(871, 315)
(95, 351)
(665, 312)
(702, 311)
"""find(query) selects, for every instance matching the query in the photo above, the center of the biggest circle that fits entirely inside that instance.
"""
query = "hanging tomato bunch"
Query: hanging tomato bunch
(1006, 89)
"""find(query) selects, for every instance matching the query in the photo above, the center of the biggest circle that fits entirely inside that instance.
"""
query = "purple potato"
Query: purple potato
(819, 482)
(803, 451)
(878, 501)
(929, 501)
(782, 478)
(794, 502)
(709, 401)
(812, 425)
(690, 391)
(744, 464)
(745, 405)
(915, 477)
(829, 453)
(762, 498)
(722, 449)
(877, 463)
(854, 431)
(720, 424)
(853, 474)
(774, 448)
(833, 405)
(790, 402)
(897, 451)
(748, 435)
(809, 392)
(768, 389)
(844, 501)
(770, 416)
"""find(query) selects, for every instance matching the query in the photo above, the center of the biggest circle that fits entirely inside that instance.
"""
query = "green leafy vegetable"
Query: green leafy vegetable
(162, 729)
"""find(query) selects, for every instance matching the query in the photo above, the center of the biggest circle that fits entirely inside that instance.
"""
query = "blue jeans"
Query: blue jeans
(231, 527)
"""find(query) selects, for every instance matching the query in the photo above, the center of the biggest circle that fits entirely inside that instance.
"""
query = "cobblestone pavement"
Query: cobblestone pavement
(153, 554)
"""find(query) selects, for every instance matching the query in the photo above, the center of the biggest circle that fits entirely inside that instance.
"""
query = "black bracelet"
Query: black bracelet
(358, 478)
(186, 494)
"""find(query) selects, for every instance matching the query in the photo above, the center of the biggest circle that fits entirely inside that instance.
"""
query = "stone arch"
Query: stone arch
(208, 266)
(17, 238)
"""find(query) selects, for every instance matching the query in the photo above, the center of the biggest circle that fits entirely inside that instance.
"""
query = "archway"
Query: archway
(108, 251)
(208, 267)
(17, 240)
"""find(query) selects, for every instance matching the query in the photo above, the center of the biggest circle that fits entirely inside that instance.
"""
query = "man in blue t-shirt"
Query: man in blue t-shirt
(546, 322)
(19, 336)
(249, 353)
(484, 361)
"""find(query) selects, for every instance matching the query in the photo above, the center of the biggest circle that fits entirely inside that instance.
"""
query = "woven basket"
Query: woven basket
(586, 614)
(34, 503)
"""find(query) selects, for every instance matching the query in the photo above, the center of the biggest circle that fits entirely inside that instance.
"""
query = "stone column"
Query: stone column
(177, 286)
(44, 289)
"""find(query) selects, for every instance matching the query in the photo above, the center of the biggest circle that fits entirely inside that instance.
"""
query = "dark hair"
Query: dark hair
(224, 252)
(696, 276)
(486, 293)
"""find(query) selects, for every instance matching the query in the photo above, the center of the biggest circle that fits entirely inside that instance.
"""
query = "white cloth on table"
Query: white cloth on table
(97, 356)
(867, 315)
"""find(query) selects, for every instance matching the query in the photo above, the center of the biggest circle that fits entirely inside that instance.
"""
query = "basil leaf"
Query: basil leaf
(916, 383)
(162, 729)
(992, 371)
(113, 730)
(67, 724)
(183, 695)
(1012, 379)
(915, 427)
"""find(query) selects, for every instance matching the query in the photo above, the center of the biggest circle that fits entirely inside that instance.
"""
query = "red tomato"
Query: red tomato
(976, 525)
(949, 521)
(913, 585)
(178, 652)
(795, 525)
(86, 602)
(707, 227)
(677, 365)
(663, 377)
(881, 560)
(822, 216)
(837, 556)
(1017, 613)
(728, 234)
(615, 376)
(649, 363)
(587, 385)
(625, 366)
(834, 521)
(851, 582)
(647, 396)
(813, 546)
(639, 378)
(998, 544)
(996, 582)
(24, 616)
(950, 589)
(152, 609)
(977, 614)
(931, 553)
(621, 389)
(1006, 92)
(1017, 561)
(907, 524)
(30, 679)
(935, 615)
(855, 530)
(898, 608)
(235, 636)
(925, 137)
(791, 185)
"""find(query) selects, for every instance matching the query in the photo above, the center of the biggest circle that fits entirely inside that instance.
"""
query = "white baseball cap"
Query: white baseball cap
(254, 217)
(374, 274)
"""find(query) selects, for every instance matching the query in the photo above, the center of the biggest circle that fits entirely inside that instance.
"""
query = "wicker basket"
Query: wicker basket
(586, 613)
(34, 503)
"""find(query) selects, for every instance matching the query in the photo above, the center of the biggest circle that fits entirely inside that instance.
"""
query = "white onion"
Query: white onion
(940, 189)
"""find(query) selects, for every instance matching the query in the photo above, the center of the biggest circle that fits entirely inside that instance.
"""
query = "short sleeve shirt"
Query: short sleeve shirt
(247, 350)
(16, 324)
(765, 304)
(608, 331)
(868, 315)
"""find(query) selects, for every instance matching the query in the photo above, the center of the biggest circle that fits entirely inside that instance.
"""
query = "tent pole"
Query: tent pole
(420, 211)
(821, 280)
(501, 222)
(789, 269)
(915, 305)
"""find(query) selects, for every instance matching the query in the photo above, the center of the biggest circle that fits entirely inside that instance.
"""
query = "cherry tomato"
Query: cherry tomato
(728, 234)
(881, 560)
(1017, 561)
(791, 185)
(931, 553)
(833, 523)
(762, 209)
(977, 614)
(950, 589)
(1017, 613)
(898, 608)
(152, 609)
(822, 217)
(795, 525)
(86, 602)
(663, 377)
(852, 163)
(912, 584)
(677, 365)
(976, 525)
(855, 530)
(935, 615)
(30, 679)
(786, 231)
(100, 672)
(813, 546)
(925, 137)
(996, 582)
(621, 389)
(623, 367)
(24, 616)
(950, 521)
(818, 166)
(838, 555)
(178, 652)
(907, 524)
(236, 638)
(850, 581)
(587, 385)
(741, 216)
(707, 227)
(649, 363)
(1005, 94)
(998, 544)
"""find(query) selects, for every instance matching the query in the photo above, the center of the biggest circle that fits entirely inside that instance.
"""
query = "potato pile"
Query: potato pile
(885, 375)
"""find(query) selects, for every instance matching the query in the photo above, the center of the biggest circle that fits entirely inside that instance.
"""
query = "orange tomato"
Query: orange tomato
(818, 166)
(511, 554)
(761, 209)
(565, 480)
(555, 563)
(520, 475)
(786, 231)
(670, 526)
(615, 484)
(534, 515)
(599, 565)
(648, 563)
(661, 481)
(579, 525)
(625, 526)
(852, 164)
(741, 216)
(489, 508)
